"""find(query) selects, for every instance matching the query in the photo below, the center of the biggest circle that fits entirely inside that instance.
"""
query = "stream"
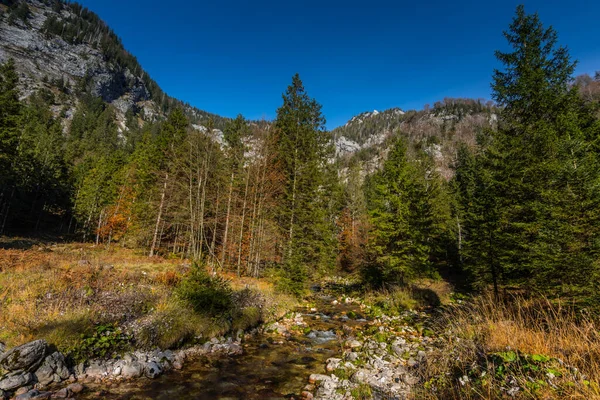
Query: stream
(272, 366)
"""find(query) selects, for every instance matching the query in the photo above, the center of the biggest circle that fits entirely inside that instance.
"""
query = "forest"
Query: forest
(517, 218)
(520, 208)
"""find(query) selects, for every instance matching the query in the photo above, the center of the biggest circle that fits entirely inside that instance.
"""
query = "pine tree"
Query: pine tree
(10, 117)
(398, 243)
(537, 195)
(304, 149)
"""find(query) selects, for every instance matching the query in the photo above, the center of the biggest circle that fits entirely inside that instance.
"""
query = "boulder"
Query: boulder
(61, 394)
(96, 370)
(53, 369)
(75, 388)
(34, 395)
(25, 357)
(152, 370)
(133, 369)
(15, 380)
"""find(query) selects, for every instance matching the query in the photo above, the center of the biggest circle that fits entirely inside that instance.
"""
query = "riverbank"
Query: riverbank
(90, 303)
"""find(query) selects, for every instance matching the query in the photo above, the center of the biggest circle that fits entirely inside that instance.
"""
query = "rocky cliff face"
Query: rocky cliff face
(68, 50)
(438, 132)
(46, 61)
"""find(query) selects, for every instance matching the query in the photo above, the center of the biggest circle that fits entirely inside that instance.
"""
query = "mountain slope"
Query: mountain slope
(67, 49)
(438, 132)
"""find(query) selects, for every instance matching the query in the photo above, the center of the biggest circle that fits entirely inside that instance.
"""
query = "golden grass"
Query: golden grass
(422, 293)
(532, 326)
(58, 292)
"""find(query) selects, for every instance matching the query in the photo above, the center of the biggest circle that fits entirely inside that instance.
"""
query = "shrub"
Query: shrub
(105, 341)
(210, 295)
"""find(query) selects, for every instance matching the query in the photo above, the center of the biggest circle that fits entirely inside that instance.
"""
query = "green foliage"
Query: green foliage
(105, 341)
(529, 197)
(209, 295)
(306, 212)
(409, 213)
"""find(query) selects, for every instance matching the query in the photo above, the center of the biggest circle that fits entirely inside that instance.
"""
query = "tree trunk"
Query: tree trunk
(159, 216)
(224, 247)
(239, 258)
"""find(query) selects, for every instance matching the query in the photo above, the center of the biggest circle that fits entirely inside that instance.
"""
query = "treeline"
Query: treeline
(523, 207)
(262, 196)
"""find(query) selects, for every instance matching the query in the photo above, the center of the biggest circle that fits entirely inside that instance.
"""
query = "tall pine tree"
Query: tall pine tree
(304, 150)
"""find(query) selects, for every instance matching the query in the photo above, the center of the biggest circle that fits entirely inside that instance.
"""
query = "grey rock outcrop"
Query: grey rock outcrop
(25, 357)
(53, 369)
(15, 380)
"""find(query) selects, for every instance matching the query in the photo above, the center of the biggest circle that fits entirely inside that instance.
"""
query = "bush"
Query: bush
(210, 295)
(104, 342)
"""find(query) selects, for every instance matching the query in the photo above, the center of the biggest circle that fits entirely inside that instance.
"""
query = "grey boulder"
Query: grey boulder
(24, 357)
(53, 369)
(15, 380)
(132, 369)
(152, 370)
(34, 395)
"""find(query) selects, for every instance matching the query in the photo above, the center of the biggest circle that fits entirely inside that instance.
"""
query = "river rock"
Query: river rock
(53, 369)
(24, 357)
(96, 370)
(333, 364)
(15, 380)
(34, 395)
(75, 388)
(133, 369)
(353, 344)
(152, 370)
(317, 378)
(61, 394)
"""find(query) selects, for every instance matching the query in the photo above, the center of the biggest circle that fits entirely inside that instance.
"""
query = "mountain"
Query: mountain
(437, 131)
(65, 49)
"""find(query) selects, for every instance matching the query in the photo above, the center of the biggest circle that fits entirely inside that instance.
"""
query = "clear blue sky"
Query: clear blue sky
(234, 56)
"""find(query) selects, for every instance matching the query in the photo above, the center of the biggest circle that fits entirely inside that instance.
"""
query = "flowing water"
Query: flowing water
(271, 367)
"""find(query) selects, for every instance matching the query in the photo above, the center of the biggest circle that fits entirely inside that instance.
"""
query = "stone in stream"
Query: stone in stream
(353, 344)
(333, 364)
(15, 380)
(53, 369)
(34, 395)
(313, 378)
(75, 388)
(152, 370)
(321, 337)
(133, 369)
(25, 357)
(61, 394)
(96, 370)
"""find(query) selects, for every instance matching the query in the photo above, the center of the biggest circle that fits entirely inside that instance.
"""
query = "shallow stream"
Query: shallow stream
(272, 366)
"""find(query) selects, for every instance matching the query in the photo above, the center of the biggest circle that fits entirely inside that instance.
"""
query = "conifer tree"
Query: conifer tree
(537, 195)
(408, 220)
(304, 149)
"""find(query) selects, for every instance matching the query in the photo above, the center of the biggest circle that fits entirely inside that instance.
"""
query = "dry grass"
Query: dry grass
(424, 293)
(479, 334)
(59, 292)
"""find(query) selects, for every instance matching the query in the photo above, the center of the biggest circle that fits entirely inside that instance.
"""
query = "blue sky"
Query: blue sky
(234, 56)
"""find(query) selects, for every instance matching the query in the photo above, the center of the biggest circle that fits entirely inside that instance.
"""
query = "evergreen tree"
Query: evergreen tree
(408, 220)
(304, 150)
(537, 195)
(10, 113)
